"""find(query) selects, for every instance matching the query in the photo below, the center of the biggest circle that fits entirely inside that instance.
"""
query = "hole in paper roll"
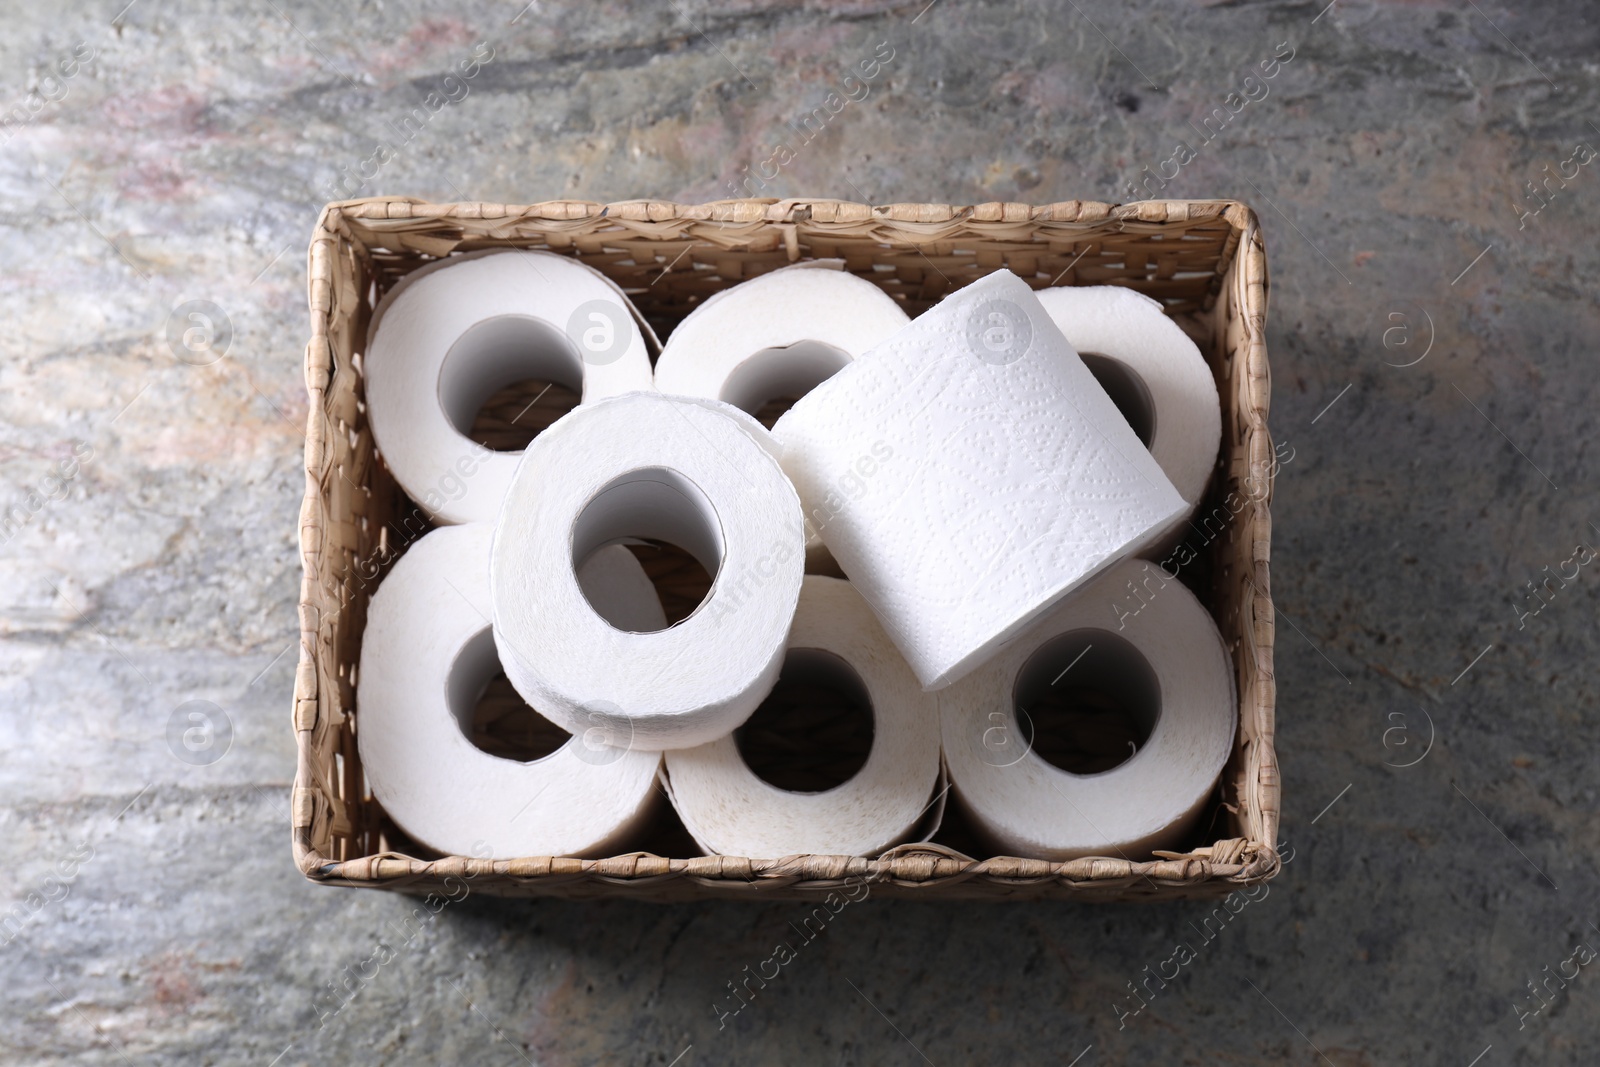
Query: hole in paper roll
(517, 413)
(669, 525)
(1127, 391)
(502, 352)
(770, 381)
(681, 582)
(490, 712)
(814, 731)
(1087, 701)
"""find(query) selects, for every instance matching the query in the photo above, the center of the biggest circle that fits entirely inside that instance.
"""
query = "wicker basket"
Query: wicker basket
(1203, 259)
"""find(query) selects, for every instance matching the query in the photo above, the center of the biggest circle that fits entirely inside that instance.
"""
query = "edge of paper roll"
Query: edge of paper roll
(651, 341)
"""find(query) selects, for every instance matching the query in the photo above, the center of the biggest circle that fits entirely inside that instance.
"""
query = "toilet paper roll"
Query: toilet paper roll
(426, 655)
(779, 335)
(837, 642)
(1140, 638)
(446, 340)
(1153, 372)
(695, 473)
(652, 342)
(968, 473)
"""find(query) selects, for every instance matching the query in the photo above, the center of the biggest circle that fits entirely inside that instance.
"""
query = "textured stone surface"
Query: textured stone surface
(186, 160)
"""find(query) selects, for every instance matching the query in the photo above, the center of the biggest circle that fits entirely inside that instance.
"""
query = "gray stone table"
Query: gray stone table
(1427, 160)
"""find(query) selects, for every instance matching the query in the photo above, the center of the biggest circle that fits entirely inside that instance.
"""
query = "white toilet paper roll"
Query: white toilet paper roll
(778, 335)
(968, 473)
(426, 655)
(781, 334)
(652, 342)
(1139, 638)
(836, 642)
(1154, 373)
(698, 474)
(444, 341)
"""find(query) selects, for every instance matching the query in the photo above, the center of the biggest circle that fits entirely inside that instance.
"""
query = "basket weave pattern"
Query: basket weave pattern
(1203, 259)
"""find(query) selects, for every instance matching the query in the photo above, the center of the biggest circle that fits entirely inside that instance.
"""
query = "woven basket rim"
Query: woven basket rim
(790, 210)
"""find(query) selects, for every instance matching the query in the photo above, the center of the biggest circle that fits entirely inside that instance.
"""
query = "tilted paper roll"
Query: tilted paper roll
(968, 473)
(836, 642)
(426, 656)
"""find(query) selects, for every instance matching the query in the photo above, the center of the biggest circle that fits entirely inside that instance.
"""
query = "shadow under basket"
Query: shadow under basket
(1203, 260)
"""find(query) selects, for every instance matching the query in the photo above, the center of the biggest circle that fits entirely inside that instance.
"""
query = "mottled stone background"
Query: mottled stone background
(185, 159)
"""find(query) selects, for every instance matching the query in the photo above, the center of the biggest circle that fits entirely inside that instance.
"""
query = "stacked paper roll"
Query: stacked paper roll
(1155, 375)
(731, 811)
(698, 474)
(447, 339)
(426, 656)
(969, 473)
(1134, 636)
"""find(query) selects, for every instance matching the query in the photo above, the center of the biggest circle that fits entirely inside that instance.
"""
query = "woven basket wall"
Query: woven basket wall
(1203, 259)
